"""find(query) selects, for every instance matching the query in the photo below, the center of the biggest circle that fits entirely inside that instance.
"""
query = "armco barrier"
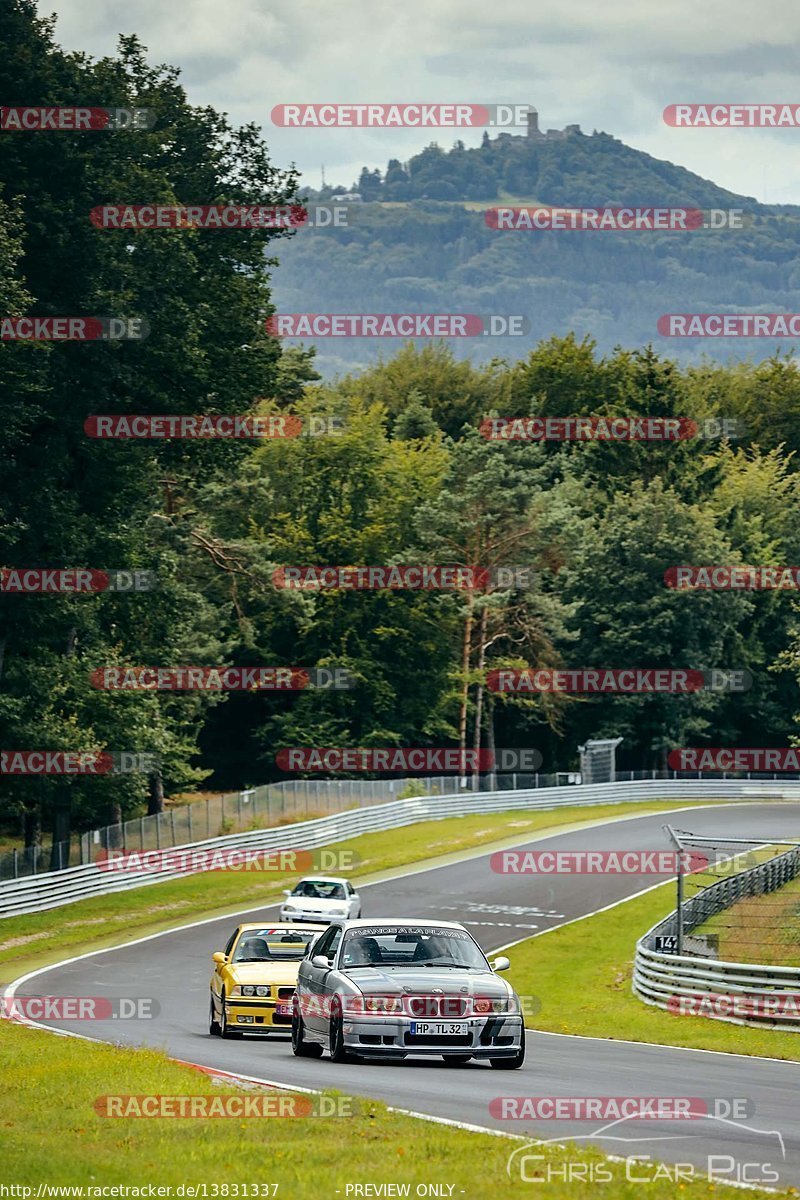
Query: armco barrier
(39, 892)
(662, 979)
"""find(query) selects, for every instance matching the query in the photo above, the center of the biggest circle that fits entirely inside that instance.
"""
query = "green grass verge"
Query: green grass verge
(581, 974)
(763, 929)
(36, 939)
(50, 1132)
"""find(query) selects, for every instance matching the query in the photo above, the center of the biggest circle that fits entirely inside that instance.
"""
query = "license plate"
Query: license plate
(283, 1010)
(439, 1028)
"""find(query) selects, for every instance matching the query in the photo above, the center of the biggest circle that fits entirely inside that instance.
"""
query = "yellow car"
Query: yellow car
(254, 978)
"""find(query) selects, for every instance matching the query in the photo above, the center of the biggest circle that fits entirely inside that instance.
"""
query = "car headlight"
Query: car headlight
(485, 1005)
(338, 912)
(262, 991)
(290, 908)
(248, 990)
(382, 1004)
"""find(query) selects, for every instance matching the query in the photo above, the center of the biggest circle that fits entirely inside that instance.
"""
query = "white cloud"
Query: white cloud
(613, 66)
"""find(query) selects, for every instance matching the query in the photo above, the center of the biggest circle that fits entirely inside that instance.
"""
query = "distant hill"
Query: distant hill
(574, 169)
(420, 243)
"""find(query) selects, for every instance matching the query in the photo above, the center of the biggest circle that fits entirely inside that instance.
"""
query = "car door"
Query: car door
(311, 981)
(219, 968)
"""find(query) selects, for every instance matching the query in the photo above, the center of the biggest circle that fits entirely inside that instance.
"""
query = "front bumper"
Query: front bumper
(309, 918)
(261, 1015)
(498, 1036)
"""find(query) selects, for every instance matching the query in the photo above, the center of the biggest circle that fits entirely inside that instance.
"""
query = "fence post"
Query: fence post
(141, 833)
(158, 831)
(172, 823)
(15, 862)
(189, 809)
(239, 809)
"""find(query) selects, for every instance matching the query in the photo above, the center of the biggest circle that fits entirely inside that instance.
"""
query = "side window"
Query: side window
(229, 946)
(337, 937)
(325, 944)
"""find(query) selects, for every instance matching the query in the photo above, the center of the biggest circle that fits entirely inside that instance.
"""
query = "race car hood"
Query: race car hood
(409, 981)
(276, 973)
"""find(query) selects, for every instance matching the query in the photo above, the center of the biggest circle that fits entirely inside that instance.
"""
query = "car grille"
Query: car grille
(437, 1006)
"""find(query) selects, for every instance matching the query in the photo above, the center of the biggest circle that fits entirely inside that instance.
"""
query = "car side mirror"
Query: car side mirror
(319, 960)
(500, 964)
(219, 957)
(287, 891)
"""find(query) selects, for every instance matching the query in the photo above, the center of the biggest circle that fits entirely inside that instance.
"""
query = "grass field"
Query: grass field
(581, 975)
(51, 1132)
(764, 929)
(36, 939)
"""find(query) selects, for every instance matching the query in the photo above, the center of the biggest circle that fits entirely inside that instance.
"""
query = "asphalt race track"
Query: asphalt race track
(175, 968)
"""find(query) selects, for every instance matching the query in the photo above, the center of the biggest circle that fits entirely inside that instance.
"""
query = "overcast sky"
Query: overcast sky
(612, 66)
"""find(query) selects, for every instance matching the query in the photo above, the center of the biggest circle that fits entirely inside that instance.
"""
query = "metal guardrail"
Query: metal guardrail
(767, 993)
(40, 892)
(278, 803)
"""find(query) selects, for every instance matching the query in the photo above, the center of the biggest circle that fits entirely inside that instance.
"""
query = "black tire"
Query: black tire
(224, 1027)
(457, 1058)
(336, 1035)
(213, 1023)
(513, 1062)
(300, 1047)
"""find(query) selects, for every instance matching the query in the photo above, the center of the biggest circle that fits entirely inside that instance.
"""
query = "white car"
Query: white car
(321, 898)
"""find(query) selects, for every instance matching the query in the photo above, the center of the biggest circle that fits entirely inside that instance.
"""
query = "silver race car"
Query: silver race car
(390, 988)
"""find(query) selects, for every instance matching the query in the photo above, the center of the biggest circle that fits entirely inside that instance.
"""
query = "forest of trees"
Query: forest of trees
(406, 477)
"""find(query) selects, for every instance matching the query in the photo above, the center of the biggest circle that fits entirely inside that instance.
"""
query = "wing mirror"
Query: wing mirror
(287, 891)
(500, 964)
(319, 960)
(219, 957)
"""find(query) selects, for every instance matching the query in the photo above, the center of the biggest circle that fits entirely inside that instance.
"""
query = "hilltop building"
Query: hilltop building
(553, 135)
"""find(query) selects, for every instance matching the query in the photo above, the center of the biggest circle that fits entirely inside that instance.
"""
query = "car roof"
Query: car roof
(323, 879)
(281, 925)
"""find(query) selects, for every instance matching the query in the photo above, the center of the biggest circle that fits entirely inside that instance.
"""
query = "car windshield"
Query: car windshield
(273, 945)
(410, 946)
(320, 889)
